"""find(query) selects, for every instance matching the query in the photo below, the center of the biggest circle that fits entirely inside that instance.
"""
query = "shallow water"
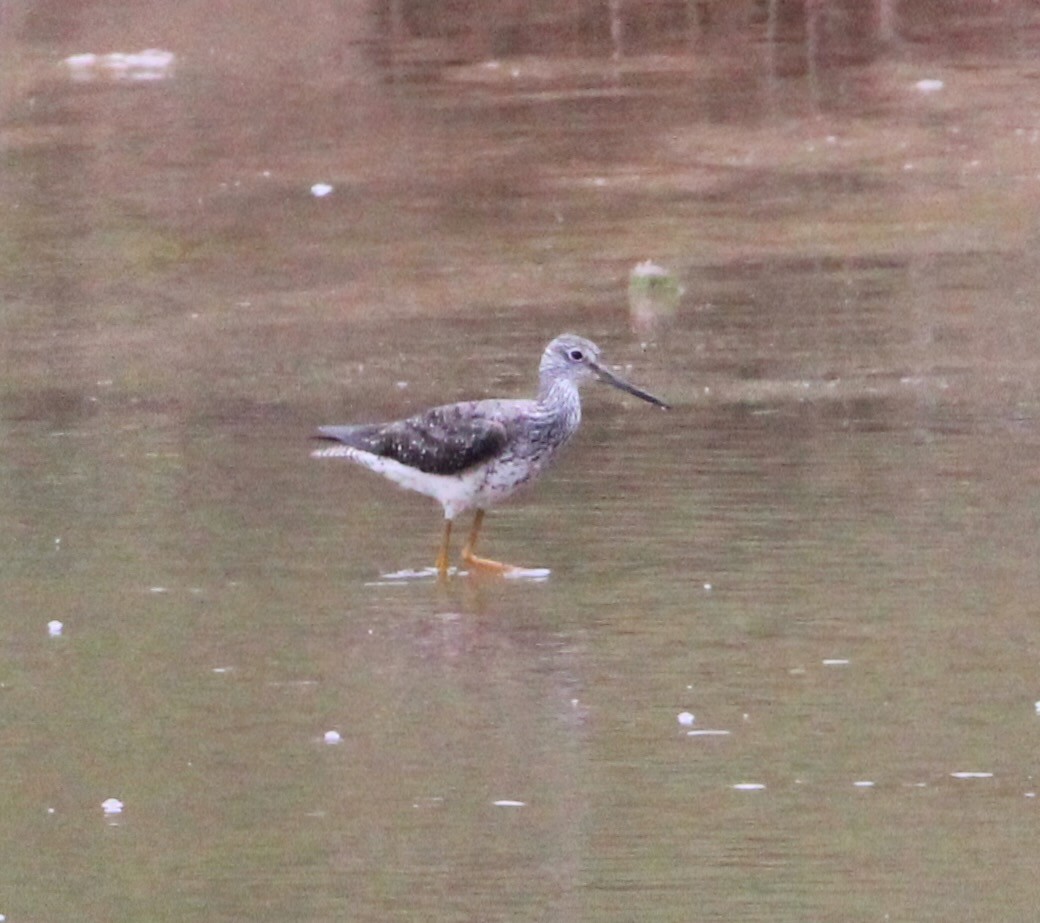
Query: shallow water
(828, 548)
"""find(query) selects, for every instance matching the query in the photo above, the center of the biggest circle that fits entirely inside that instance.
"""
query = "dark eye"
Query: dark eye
(576, 355)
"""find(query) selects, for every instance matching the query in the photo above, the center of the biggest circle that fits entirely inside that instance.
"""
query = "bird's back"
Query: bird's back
(444, 440)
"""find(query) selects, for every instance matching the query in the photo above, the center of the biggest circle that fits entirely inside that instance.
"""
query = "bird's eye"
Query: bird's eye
(576, 355)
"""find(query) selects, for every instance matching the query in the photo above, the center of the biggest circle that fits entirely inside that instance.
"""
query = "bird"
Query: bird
(474, 454)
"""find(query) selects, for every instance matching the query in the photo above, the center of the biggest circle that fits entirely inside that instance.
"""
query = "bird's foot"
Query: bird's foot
(489, 566)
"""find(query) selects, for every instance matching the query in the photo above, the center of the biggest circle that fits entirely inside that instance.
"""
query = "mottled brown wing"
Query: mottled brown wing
(445, 440)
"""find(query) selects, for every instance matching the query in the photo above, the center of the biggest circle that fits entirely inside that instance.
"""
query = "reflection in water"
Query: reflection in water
(828, 548)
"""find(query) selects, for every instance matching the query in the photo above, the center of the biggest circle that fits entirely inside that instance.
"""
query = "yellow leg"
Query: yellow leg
(442, 555)
(472, 560)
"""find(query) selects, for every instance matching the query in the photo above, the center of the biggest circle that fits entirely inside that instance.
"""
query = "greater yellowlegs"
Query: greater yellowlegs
(476, 453)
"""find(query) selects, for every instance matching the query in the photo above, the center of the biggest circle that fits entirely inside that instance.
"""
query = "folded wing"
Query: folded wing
(445, 440)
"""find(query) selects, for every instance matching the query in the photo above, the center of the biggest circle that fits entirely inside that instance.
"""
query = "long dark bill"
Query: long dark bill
(611, 379)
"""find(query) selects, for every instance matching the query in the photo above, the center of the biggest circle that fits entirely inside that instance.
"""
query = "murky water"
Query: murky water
(827, 550)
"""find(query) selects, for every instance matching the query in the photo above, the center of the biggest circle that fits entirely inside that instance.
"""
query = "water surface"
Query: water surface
(827, 548)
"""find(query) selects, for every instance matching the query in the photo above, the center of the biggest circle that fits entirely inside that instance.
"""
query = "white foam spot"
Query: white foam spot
(333, 737)
(708, 732)
(320, 190)
(55, 628)
(685, 718)
(928, 85)
(112, 806)
(141, 66)
(971, 775)
(836, 662)
(863, 783)
(749, 786)
(506, 803)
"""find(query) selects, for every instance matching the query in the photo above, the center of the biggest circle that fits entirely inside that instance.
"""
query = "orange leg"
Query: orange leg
(442, 555)
(470, 558)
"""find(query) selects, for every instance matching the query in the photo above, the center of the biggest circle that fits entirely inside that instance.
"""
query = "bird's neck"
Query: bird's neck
(559, 396)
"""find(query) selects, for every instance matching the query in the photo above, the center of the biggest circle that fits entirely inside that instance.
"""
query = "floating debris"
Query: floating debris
(749, 786)
(505, 803)
(146, 66)
(708, 732)
(971, 775)
(55, 628)
(320, 190)
(863, 783)
(112, 806)
(333, 737)
(928, 85)
(654, 294)
(835, 661)
(685, 718)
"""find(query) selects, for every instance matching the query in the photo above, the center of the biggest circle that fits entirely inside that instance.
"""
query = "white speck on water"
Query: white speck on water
(320, 190)
(55, 628)
(686, 719)
(222, 669)
(707, 588)
(1036, 705)
(506, 803)
(400, 385)
(749, 786)
(648, 269)
(142, 66)
(863, 783)
(333, 737)
(158, 589)
(708, 732)
(112, 806)
(928, 85)
(971, 775)
(835, 661)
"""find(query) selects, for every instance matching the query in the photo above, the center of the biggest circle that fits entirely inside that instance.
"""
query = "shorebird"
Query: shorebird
(471, 455)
